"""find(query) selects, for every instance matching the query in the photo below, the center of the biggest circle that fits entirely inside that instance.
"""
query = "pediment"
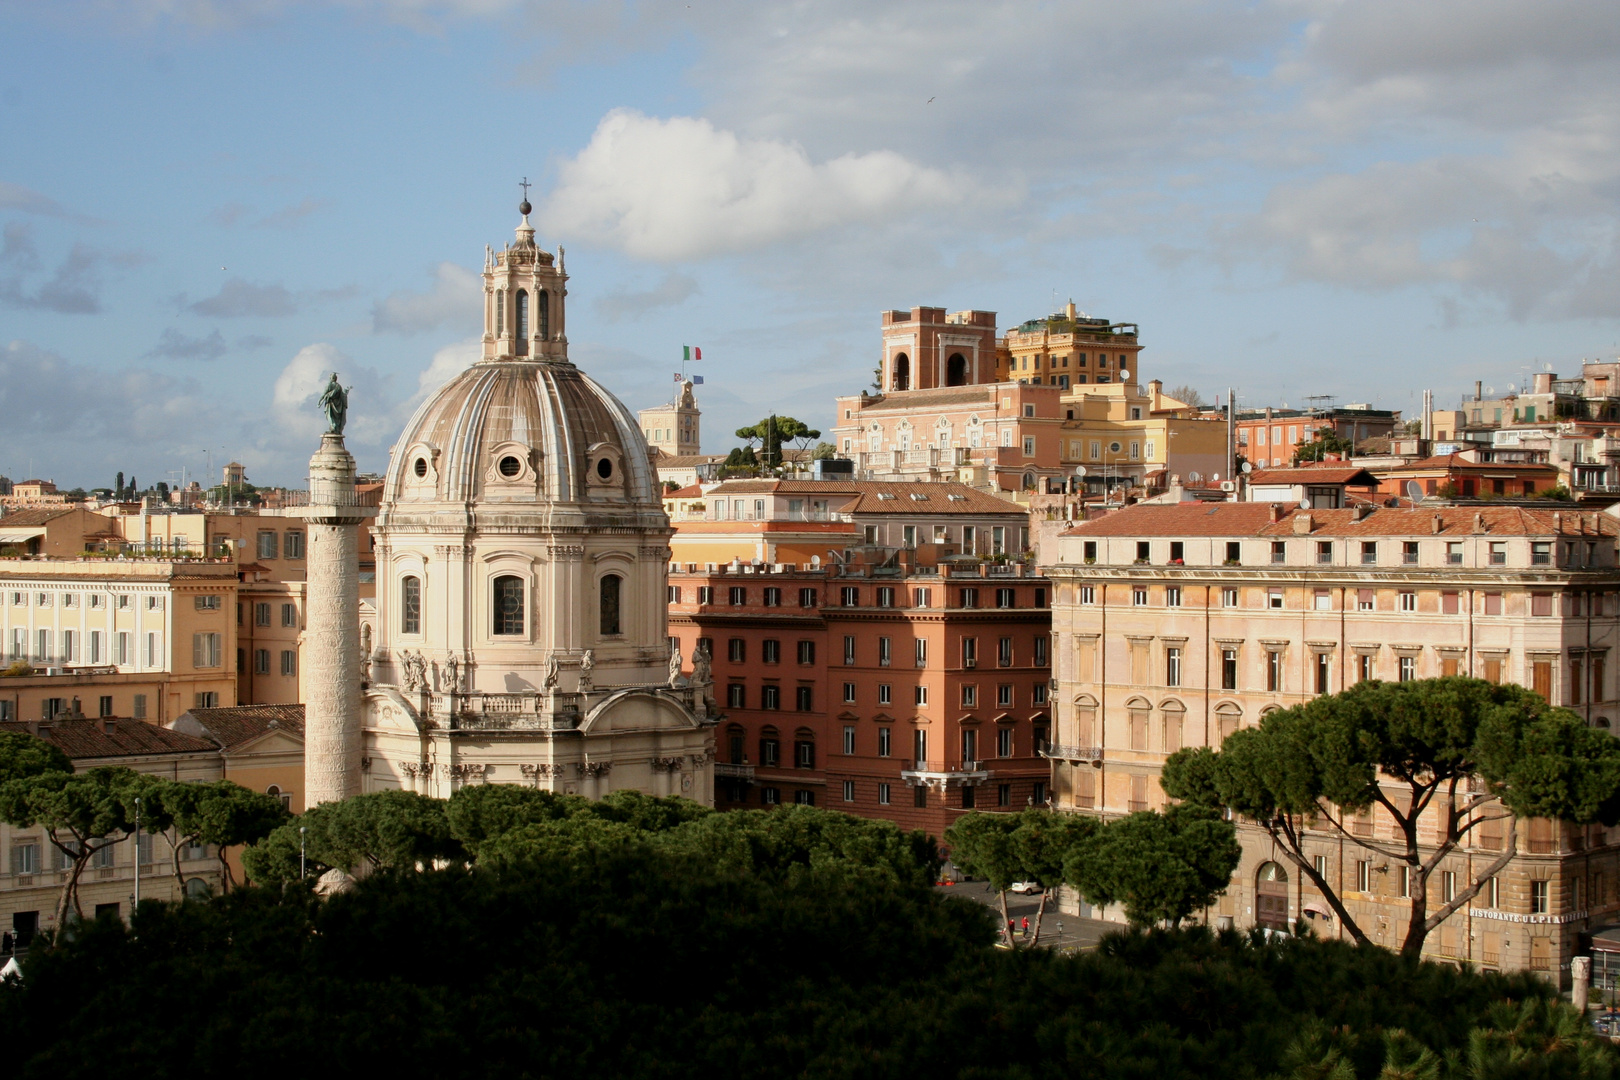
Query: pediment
(387, 710)
(638, 709)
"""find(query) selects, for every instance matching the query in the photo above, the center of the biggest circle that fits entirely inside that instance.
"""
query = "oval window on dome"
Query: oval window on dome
(510, 466)
(421, 467)
(604, 469)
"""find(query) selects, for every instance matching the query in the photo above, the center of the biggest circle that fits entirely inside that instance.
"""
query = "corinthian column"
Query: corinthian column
(332, 634)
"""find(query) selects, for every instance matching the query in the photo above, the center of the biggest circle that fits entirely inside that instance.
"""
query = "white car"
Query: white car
(1025, 887)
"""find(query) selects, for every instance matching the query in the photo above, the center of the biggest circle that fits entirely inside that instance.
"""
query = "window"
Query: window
(25, 856)
(920, 696)
(1274, 670)
(885, 596)
(1172, 596)
(807, 598)
(138, 710)
(1324, 551)
(1450, 603)
(920, 648)
(1029, 446)
(261, 661)
(737, 650)
(289, 661)
(1364, 666)
(261, 612)
(1363, 875)
(804, 754)
(1005, 598)
(289, 615)
(970, 652)
(1139, 596)
(1539, 898)
(970, 696)
(736, 696)
(1004, 742)
(1409, 552)
(770, 651)
(206, 603)
(1088, 594)
(1498, 554)
(1004, 694)
(849, 650)
(1229, 597)
(1041, 644)
(885, 652)
(883, 794)
(293, 545)
(1229, 669)
(1448, 886)
(970, 598)
(1142, 550)
(1004, 652)
(921, 598)
(738, 596)
(1172, 666)
(1541, 603)
(1279, 551)
(208, 700)
(206, 650)
(1274, 598)
(770, 796)
(1454, 553)
(1322, 600)
(849, 738)
(885, 694)
(1324, 672)
(1369, 553)
(1405, 882)
(410, 606)
(849, 791)
(705, 594)
(1540, 554)
(508, 613)
(849, 596)
(1408, 668)
(267, 545)
(803, 699)
(1407, 600)
(773, 597)
(885, 741)
(807, 652)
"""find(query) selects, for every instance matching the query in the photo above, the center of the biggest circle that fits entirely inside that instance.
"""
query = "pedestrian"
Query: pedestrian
(1009, 929)
(1026, 926)
(1060, 928)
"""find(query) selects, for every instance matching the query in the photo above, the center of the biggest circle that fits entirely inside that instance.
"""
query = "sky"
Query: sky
(207, 205)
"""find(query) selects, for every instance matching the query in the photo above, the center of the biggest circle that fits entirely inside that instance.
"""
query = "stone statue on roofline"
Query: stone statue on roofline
(335, 400)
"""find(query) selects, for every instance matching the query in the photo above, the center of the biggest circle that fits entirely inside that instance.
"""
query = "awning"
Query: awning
(1318, 910)
(19, 533)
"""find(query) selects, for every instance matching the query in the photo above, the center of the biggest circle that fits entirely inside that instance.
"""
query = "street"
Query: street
(1075, 933)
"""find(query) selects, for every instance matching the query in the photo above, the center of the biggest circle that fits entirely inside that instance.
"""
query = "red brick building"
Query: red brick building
(877, 685)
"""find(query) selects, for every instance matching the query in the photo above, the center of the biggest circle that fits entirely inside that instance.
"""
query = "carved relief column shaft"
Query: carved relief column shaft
(332, 667)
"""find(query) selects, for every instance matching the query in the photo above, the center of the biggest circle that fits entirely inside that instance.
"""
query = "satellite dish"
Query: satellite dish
(1123, 374)
(1490, 390)
(1248, 466)
(1414, 491)
(1213, 477)
(1304, 504)
(1194, 477)
(1079, 470)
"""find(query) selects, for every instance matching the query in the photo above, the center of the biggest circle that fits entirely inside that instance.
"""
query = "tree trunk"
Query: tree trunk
(1006, 920)
(70, 888)
(1039, 912)
(179, 876)
(225, 879)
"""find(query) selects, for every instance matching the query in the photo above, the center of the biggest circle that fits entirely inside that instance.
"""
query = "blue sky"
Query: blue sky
(205, 205)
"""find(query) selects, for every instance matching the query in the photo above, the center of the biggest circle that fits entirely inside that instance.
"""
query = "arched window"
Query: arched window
(902, 372)
(410, 605)
(1227, 718)
(1271, 896)
(956, 370)
(520, 315)
(542, 301)
(509, 606)
(1174, 713)
(609, 605)
(500, 312)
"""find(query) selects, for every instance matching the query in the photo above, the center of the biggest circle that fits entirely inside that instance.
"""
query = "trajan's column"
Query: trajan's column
(332, 701)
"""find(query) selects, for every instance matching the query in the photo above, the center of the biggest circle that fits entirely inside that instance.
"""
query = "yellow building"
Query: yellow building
(672, 429)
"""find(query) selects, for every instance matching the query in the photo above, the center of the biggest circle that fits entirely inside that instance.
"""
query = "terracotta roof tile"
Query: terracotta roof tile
(37, 516)
(85, 740)
(231, 727)
(1458, 463)
(937, 497)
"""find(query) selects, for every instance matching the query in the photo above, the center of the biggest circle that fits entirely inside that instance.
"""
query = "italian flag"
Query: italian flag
(690, 353)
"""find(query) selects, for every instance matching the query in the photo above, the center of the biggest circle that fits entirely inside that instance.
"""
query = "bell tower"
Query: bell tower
(524, 288)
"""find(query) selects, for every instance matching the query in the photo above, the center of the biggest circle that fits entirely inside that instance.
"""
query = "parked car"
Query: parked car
(1025, 887)
(1607, 1024)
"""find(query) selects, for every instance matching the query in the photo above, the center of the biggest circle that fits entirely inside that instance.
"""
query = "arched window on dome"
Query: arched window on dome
(508, 612)
(610, 590)
(410, 605)
(520, 315)
(542, 302)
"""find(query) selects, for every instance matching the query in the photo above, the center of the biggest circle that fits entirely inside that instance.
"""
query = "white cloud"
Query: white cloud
(682, 189)
(446, 364)
(456, 298)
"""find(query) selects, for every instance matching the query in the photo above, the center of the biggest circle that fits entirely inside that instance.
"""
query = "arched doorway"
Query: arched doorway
(1271, 896)
(956, 370)
(902, 372)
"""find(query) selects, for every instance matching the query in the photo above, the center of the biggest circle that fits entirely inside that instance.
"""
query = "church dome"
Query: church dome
(514, 429)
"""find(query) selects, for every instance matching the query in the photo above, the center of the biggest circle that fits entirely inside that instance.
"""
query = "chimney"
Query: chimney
(1069, 311)
(1362, 511)
(1479, 524)
(107, 726)
(1439, 524)
(1302, 523)
(1543, 382)
(1478, 384)
(1276, 512)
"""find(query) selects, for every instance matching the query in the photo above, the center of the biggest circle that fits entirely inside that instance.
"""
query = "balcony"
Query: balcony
(726, 771)
(1073, 753)
(941, 773)
(501, 712)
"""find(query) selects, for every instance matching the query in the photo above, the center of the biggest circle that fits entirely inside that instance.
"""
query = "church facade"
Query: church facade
(519, 632)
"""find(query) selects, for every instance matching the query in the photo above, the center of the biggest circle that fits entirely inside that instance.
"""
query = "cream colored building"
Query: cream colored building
(522, 551)
(673, 429)
(1176, 625)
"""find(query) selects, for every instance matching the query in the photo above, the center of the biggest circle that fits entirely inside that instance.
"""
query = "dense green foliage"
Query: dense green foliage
(1460, 751)
(222, 814)
(23, 755)
(662, 964)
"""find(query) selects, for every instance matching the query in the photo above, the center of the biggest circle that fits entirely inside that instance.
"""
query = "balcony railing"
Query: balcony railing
(1075, 753)
(727, 770)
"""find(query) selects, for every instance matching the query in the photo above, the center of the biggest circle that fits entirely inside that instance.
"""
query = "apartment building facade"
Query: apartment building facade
(875, 685)
(1177, 625)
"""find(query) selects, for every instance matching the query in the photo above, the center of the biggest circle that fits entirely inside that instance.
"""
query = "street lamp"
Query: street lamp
(302, 830)
(137, 901)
